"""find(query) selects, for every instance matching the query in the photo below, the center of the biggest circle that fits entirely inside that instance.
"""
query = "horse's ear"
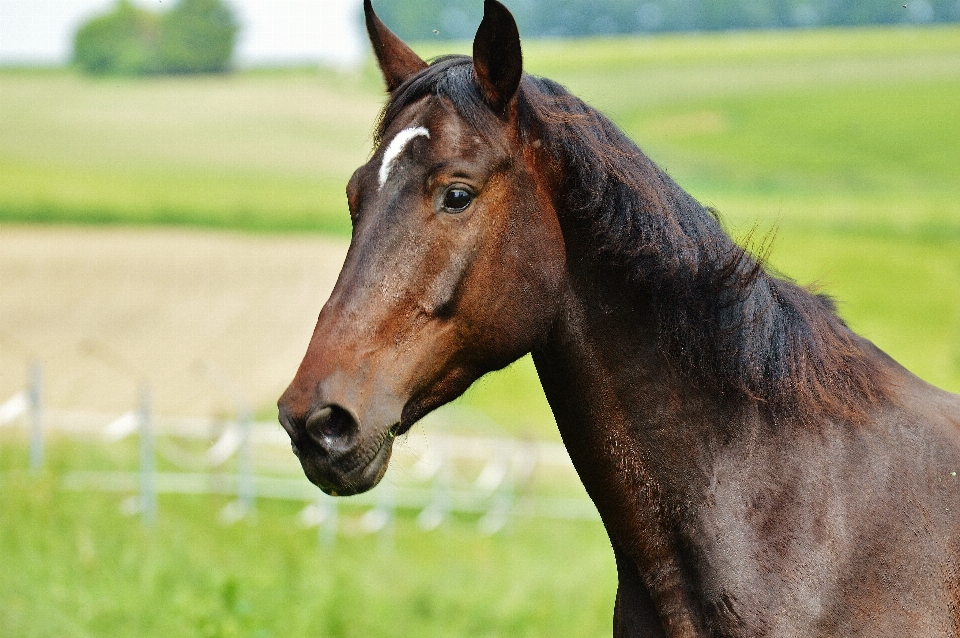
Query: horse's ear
(397, 61)
(497, 59)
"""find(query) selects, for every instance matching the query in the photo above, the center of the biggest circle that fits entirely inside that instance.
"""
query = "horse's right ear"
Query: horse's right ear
(397, 61)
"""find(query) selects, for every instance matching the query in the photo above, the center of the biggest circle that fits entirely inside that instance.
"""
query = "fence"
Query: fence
(454, 462)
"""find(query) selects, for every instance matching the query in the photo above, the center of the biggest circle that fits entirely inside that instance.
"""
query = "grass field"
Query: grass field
(850, 126)
(846, 142)
(259, 152)
(74, 565)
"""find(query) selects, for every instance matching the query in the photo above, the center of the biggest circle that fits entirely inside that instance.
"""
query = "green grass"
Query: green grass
(835, 115)
(73, 565)
(253, 151)
(264, 203)
(885, 156)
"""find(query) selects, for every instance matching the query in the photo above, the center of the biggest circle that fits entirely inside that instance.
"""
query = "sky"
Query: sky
(273, 31)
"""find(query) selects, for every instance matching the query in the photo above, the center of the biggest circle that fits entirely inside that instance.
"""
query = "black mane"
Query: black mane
(720, 315)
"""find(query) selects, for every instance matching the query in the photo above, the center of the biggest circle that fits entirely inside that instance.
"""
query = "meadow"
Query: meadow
(839, 148)
(75, 565)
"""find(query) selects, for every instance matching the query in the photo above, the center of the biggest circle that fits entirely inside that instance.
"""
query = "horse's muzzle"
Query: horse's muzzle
(335, 453)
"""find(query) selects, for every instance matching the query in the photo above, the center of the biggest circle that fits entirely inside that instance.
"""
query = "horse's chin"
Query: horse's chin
(349, 474)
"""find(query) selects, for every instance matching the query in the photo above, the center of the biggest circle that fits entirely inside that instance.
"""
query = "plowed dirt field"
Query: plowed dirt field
(208, 319)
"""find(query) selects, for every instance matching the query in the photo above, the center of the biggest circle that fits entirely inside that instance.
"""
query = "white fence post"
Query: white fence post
(246, 489)
(434, 514)
(327, 529)
(497, 515)
(148, 496)
(386, 505)
(36, 417)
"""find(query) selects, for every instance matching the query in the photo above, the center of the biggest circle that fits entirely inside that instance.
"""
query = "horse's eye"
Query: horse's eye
(456, 200)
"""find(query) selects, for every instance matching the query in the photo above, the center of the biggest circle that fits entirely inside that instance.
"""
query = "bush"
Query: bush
(196, 36)
(121, 42)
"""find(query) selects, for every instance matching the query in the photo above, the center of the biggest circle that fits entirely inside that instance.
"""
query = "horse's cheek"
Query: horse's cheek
(529, 276)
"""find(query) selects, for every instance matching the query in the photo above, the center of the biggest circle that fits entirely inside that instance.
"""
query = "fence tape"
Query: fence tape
(225, 447)
(121, 427)
(14, 407)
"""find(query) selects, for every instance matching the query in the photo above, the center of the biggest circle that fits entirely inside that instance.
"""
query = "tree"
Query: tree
(457, 19)
(196, 36)
(121, 42)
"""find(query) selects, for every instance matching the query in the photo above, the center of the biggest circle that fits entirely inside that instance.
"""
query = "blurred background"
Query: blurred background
(172, 219)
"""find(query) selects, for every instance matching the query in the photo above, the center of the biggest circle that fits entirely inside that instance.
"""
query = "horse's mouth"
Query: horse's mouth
(347, 474)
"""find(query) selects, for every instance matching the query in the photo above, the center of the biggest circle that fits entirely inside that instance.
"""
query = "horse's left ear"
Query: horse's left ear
(497, 59)
(397, 61)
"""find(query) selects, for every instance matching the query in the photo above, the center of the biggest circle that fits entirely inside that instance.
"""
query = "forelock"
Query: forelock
(449, 77)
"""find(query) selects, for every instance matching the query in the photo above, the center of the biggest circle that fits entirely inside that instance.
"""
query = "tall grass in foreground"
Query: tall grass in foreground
(73, 565)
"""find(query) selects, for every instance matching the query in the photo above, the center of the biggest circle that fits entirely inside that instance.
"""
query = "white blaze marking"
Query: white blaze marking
(397, 144)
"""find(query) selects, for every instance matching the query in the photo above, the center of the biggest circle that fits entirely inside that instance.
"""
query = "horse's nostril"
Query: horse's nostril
(330, 425)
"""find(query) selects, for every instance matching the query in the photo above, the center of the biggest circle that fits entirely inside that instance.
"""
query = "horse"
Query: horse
(759, 468)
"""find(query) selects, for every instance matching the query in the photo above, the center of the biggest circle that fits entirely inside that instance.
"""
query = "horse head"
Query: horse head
(455, 264)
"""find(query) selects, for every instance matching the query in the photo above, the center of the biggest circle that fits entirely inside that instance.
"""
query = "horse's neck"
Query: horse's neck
(621, 404)
(599, 373)
(629, 421)
(613, 386)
